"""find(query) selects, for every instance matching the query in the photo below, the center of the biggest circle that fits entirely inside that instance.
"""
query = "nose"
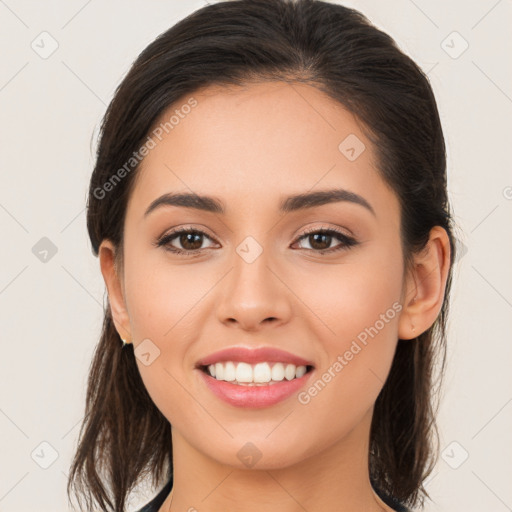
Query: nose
(254, 295)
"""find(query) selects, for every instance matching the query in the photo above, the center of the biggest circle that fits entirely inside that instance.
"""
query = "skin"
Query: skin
(250, 147)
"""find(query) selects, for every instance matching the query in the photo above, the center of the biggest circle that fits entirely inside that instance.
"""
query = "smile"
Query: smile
(260, 374)
(254, 377)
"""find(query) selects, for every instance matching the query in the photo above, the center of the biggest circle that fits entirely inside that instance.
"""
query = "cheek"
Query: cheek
(346, 298)
(163, 296)
(358, 305)
(163, 303)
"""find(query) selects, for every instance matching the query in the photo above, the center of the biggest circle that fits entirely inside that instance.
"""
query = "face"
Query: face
(261, 276)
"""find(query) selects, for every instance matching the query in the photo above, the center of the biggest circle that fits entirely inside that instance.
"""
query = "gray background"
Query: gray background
(51, 302)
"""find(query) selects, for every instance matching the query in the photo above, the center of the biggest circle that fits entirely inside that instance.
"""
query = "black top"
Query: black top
(157, 501)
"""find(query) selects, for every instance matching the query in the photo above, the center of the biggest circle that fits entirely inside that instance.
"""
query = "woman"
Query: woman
(270, 212)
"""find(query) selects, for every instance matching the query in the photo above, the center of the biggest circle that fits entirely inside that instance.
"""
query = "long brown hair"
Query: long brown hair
(124, 437)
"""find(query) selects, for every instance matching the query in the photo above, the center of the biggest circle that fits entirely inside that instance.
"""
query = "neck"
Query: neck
(336, 478)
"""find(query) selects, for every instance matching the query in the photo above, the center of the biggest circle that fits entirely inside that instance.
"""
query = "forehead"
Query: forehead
(250, 143)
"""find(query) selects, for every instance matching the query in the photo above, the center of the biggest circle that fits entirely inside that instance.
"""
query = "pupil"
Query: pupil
(324, 236)
(188, 238)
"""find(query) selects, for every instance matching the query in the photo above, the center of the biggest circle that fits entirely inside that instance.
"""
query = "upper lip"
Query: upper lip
(253, 355)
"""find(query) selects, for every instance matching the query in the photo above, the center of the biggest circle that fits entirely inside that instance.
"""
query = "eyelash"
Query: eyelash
(346, 241)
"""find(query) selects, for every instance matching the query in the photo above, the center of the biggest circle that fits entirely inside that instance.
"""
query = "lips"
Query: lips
(255, 395)
(253, 356)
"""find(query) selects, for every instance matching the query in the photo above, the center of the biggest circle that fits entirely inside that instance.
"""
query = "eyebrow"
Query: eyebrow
(288, 204)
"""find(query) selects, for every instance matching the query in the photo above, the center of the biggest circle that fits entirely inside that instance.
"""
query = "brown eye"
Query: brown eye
(190, 240)
(321, 239)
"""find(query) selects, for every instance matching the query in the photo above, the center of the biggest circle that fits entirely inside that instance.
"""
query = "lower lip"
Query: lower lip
(254, 396)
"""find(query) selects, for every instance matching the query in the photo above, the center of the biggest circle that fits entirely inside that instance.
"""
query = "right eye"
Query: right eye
(188, 239)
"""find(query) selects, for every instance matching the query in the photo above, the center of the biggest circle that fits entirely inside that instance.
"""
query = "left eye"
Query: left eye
(326, 236)
(191, 241)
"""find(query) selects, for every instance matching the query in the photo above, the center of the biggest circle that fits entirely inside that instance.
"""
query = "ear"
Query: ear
(113, 281)
(425, 286)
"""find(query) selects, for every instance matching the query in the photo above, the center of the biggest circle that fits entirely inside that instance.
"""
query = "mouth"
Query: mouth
(254, 377)
(259, 374)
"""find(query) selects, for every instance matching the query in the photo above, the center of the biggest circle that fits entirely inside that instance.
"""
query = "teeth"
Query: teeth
(258, 374)
(229, 372)
(278, 372)
(262, 372)
(301, 370)
(289, 372)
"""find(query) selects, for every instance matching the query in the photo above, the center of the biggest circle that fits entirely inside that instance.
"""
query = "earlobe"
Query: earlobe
(113, 282)
(426, 284)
